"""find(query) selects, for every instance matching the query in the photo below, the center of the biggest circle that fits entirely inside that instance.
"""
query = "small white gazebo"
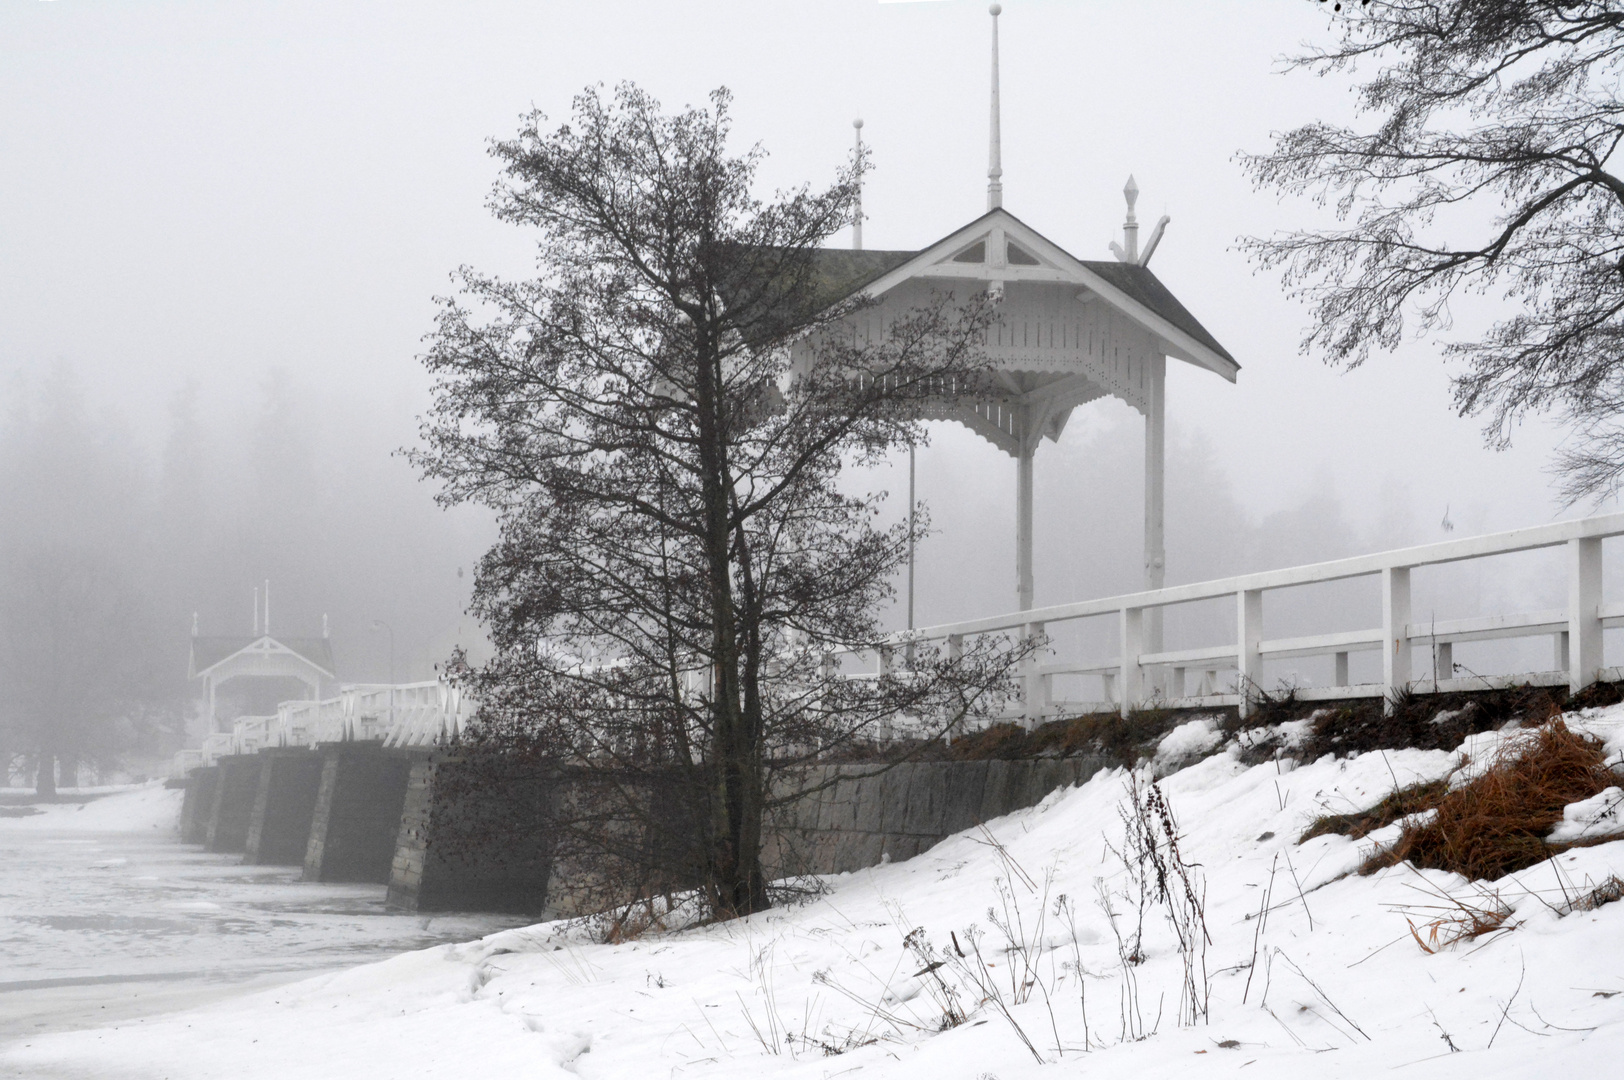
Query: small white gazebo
(1069, 331)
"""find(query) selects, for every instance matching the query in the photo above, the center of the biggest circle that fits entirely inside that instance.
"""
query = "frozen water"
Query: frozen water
(105, 915)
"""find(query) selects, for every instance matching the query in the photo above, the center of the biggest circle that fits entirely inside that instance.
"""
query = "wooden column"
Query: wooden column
(1023, 523)
(1155, 474)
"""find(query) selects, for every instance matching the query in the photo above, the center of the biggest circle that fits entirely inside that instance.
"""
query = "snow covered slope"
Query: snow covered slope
(1332, 983)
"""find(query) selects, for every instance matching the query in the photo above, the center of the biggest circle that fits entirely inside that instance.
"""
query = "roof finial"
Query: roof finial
(1130, 228)
(995, 166)
(857, 217)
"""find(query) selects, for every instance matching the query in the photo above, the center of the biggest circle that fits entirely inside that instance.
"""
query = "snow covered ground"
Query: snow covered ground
(1331, 983)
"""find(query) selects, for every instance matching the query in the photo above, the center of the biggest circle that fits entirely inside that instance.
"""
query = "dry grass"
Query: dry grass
(1360, 823)
(1452, 919)
(1608, 892)
(1123, 740)
(1496, 823)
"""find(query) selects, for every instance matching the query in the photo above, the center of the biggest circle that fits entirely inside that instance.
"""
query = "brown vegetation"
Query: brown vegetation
(1122, 740)
(1496, 823)
(1399, 804)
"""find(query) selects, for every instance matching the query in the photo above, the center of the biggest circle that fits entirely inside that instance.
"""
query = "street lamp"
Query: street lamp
(379, 624)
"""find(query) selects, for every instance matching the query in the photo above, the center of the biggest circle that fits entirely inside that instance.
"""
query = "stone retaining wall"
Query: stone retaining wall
(442, 843)
(855, 815)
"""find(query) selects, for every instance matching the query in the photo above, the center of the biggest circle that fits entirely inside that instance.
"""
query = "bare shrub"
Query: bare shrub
(1158, 874)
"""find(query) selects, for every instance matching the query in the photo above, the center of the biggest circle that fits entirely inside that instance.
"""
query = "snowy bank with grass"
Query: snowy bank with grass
(1068, 938)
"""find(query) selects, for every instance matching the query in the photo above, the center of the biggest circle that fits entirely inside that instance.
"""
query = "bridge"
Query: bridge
(1226, 674)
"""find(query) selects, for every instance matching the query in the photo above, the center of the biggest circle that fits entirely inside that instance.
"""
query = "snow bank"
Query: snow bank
(1311, 968)
(151, 809)
(1187, 743)
(1600, 815)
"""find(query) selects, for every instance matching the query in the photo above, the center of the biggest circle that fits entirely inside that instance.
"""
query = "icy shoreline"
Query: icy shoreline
(1331, 981)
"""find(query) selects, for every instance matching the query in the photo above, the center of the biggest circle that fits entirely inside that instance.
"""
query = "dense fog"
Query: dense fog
(114, 544)
(221, 230)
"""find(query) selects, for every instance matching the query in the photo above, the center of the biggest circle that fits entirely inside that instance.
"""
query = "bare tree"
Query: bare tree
(662, 417)
(1488, 167)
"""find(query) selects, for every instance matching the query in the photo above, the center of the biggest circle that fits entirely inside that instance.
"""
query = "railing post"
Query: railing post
(1248, 636)
(1035, 686)
(1584, 612)
(1396, 631)
(1131, 675)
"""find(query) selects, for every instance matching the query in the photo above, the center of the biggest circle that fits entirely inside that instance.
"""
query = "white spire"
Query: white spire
(995, 166)
(1130, 228)
(857, 218)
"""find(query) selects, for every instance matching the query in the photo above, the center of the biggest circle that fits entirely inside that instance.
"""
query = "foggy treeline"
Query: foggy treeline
(119, 528)
(110, 543)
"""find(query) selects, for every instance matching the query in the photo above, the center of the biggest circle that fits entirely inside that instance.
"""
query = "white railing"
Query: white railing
(1137, 678)
(407, 714)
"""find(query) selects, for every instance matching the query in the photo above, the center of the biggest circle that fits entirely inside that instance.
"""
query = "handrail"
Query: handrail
(1142, 677)
(1530, 538)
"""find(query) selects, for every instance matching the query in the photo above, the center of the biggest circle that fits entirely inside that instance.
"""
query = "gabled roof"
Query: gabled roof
(1130, 288)
(210, 652)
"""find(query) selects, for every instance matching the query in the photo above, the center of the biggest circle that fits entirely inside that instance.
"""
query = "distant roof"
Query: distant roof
(845, 271)
(208, 652)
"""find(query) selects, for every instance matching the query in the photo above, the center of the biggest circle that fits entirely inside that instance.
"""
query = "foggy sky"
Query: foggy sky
(206, 191)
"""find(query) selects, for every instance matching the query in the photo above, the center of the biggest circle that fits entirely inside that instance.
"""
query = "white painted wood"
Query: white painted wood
(1023, 526)
(995, 167)
(1395, 630)
(1248, 638)
(1186, 657)
(1584, 611)
(1581, 623)
(1132, 631)
(1155, 495)
(857, 217)
(1529, 539)
(1057, 266)
(1490, 627)
(1320, 644)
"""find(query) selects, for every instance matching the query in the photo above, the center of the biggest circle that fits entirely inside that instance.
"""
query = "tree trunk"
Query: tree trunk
(45, 778)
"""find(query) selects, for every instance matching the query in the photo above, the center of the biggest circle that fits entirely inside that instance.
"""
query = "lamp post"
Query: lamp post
(379, 624)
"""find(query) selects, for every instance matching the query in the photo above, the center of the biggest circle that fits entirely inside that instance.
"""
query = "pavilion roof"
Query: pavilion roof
(849, 271)
(211, 652)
